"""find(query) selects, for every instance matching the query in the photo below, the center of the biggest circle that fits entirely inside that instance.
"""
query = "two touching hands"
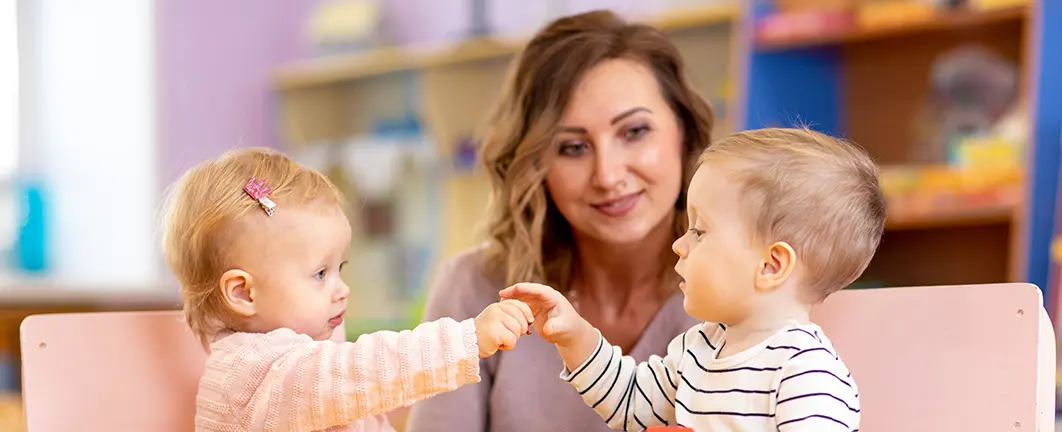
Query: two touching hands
(547, 310)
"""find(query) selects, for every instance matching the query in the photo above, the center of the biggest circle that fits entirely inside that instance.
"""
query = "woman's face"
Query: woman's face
(618, 167)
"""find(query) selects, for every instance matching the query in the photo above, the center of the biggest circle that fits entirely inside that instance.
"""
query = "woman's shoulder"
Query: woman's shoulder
(463, 286)
(470, 269)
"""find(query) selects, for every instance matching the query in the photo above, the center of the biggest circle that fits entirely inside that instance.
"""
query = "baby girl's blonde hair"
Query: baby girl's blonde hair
(203, 212)
(817, 193)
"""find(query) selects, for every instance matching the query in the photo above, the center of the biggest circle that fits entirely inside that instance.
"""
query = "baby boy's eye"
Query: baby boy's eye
(320, 275)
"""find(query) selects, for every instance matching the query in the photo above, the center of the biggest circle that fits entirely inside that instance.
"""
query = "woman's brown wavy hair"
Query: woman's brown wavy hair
(529, 239)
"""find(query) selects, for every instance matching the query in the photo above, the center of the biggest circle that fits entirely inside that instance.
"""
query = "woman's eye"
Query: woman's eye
(574, 148)
(636, 132)
(696, 232)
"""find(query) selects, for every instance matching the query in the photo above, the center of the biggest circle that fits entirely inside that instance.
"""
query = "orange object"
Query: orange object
(893, 13)
(787, 6)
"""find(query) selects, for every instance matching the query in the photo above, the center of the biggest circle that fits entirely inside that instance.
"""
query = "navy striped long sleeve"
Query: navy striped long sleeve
(793, 381)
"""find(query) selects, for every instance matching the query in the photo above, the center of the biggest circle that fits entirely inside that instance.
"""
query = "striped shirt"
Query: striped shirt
(792, 381)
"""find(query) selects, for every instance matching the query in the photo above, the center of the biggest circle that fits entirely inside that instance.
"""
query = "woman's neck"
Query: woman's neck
(607, 269)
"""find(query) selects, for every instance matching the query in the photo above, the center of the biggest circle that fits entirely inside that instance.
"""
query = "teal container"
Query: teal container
(31, 244)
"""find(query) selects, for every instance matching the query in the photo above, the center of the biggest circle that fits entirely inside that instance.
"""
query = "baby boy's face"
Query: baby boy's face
(717, 259)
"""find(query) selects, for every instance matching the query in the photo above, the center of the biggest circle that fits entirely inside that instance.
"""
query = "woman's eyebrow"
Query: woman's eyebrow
(630, 112)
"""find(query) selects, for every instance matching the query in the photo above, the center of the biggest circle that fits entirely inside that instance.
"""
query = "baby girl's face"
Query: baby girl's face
(295, 258)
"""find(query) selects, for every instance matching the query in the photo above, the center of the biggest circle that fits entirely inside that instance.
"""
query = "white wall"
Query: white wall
(92, 136)
(8, 119)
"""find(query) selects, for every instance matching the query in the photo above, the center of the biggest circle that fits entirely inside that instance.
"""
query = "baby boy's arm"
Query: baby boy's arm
(626, 394)
(629, 395)
(816, 393)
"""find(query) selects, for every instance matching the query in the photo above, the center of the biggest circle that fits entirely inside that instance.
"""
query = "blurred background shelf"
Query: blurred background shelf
(887, 75)
(853, 30)
(954, 218)
(865, 70)
(340, 102)
(332, 69)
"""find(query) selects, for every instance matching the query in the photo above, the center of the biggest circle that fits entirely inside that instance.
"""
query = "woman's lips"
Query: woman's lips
(619, 206)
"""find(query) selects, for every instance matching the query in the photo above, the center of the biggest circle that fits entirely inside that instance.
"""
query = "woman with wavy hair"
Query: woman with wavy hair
(589, 153)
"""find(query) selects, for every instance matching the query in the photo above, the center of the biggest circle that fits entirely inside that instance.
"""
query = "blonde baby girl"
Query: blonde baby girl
(258, 243)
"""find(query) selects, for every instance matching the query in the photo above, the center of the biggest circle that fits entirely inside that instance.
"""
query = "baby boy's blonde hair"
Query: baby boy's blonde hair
(203, 213)
(817, 193)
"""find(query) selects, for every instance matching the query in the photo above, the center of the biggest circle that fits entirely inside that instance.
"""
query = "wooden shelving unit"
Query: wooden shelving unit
(870, 84)
(940, 21)
(961, 218)
(451, 90)
(864, 83)
(384, 61)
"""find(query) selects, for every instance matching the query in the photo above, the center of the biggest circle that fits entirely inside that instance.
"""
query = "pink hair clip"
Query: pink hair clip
(260, 192)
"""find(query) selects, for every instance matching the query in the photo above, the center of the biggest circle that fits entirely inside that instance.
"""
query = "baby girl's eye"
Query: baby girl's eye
(320, 275)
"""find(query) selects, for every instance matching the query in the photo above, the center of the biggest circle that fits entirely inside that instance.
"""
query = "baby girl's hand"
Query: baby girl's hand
(500, 325)
(555, 318)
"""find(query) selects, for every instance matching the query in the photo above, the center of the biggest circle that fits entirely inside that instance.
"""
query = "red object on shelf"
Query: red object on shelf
(802, 25)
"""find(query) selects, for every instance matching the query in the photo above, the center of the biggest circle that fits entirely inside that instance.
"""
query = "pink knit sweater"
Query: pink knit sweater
(283, 381)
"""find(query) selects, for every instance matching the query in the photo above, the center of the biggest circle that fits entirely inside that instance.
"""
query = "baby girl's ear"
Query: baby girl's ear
(236, 288)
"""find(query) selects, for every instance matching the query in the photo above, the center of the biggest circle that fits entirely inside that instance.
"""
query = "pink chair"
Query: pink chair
(111, 371)
(947, 358)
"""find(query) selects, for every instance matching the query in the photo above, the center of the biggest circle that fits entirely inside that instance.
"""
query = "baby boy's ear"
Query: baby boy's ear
(236, 289)
(778, 264)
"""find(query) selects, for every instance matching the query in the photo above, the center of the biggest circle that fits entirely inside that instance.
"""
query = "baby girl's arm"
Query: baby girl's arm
(285, 381)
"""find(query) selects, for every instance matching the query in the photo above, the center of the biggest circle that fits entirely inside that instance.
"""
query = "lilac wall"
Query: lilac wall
(214, 62)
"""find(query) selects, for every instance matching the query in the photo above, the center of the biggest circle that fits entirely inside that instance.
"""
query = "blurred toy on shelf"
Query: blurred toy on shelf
(996, 4)
(933, 190)
(888, 13)
(803, 19)
(790, 6)
(974, 91)
(466, 150)
(974, 133)
(343, 26)
(802, 24)
(797, 22)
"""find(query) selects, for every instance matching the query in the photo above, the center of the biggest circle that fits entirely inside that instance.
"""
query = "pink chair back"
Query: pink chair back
(111, 371)
(947, 358)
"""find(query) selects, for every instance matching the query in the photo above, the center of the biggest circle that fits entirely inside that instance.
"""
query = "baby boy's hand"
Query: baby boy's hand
(555, 318)
(500, 325)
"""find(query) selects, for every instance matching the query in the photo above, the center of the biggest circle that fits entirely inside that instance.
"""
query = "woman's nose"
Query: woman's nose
(610, 168)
